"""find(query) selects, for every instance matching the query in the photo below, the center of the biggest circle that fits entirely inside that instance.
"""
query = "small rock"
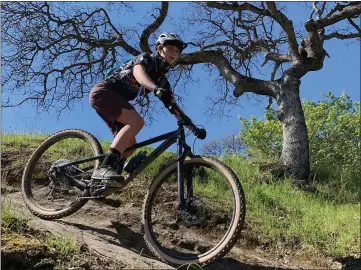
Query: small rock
(45, 263)
(174, 241)
(85, 265)
(336, 265)
(84, 247)
(173, 226)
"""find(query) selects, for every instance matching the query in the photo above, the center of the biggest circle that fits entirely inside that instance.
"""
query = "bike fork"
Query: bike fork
(180, 168)
(180, 165)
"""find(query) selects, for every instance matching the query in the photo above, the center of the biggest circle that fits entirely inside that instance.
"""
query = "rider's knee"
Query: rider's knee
(137, 123)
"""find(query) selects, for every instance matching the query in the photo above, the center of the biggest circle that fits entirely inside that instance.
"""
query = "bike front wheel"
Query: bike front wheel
(48, 196)
(209, 224)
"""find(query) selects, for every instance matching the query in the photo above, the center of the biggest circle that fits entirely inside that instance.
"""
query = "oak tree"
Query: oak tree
(54, 52)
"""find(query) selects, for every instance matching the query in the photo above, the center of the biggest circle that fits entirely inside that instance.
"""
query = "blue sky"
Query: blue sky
(340, 73)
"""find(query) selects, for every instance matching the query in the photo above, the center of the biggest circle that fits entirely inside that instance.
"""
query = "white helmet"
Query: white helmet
(171, 39)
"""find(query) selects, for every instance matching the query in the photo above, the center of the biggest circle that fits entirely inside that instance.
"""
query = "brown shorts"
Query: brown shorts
(109, 105)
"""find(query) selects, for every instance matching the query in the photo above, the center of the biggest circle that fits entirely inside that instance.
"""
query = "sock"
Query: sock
(112, 155)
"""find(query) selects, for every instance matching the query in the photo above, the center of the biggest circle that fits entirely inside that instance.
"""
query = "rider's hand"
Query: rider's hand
(165, 95)
(200, 133)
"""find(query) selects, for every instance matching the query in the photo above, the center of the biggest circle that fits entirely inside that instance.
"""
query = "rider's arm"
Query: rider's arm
(142, 77)
(178, 112)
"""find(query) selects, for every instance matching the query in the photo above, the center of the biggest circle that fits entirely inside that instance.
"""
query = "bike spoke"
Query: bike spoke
(54, 193)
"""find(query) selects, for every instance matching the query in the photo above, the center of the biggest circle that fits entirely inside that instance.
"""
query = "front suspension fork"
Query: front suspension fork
(183, 151)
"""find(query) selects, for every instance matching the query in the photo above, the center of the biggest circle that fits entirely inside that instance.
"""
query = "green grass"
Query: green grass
(278, 213)
(191, 266)
(18, 141)
(63, 244)
(11, 219)
(215, 189)
(17, 236)
(338, 187)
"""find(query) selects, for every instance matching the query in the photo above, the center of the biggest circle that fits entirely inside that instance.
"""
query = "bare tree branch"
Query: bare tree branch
(354, 24)
(346, 11)
(345, 34)
(242, 84)
(287, 26)
(342, 36)
(74, 47)
(216, 44)
(63, 53)
(276, 66)
(273, 12)
(143, 43)
(318, 11)
(238, 7)
(9, 105)
(278, 58)
(339, 7)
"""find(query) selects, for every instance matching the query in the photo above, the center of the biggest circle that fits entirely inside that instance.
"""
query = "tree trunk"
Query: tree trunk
(294, 159)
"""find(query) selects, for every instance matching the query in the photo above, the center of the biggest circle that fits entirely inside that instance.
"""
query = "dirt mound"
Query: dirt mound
(111, 229)
(12, 167)
(23, 253)
(20, 251)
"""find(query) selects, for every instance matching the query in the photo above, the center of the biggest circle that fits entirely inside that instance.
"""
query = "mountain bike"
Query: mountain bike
(193, 210)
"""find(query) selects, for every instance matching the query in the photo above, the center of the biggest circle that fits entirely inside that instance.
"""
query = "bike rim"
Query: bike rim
(203, 253)
(59, 150)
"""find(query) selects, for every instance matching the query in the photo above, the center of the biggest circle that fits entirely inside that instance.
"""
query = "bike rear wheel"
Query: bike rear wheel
(211, 222)
(55, 197)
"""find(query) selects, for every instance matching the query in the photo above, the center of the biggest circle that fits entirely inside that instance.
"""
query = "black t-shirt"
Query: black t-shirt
(125, 83)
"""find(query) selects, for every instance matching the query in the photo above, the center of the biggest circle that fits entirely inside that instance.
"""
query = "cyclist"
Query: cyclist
(110, 99)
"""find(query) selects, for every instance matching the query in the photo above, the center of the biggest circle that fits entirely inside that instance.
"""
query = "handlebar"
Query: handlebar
(200, 133)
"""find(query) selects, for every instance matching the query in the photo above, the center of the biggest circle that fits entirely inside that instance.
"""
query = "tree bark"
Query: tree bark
(294, 160)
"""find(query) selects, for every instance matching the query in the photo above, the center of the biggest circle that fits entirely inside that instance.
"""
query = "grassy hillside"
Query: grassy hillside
(23, 247)
(280, 216)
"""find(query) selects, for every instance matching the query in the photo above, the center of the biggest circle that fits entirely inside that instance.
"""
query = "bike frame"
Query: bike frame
(183, 150)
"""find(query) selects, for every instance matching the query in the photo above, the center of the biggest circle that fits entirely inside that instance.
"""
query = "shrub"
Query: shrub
(334, 137)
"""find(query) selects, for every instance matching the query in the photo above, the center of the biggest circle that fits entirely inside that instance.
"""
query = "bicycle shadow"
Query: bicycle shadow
(126, 238)
(233, 264)
(123, 236)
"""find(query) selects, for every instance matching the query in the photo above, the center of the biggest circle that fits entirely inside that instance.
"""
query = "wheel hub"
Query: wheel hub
(194, 213)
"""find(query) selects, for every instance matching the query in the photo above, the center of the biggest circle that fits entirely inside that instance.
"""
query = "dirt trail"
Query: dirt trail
(112, 229)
